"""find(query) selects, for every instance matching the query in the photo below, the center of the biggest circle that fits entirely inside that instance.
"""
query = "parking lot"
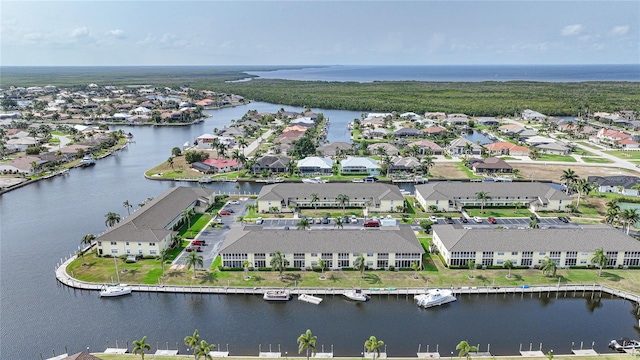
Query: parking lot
(514, 223)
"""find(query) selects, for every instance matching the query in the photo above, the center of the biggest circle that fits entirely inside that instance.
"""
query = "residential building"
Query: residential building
(407, 133)
(383, 148)
(374, 197)
(621, 184)
(530, 247)
(407, 164)
(490, 165)
(303, 249)
(150, 229)
(451, 196)
(506, 148)
(532, 115)
(427, 146)
(462, 146)
(488, 121)
(360, 165)
(275, 164)
(334, 149)
(315, 165)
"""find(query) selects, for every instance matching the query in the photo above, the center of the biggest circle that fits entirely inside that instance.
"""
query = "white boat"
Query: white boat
(276, 295)
(356, 295)
(88, 160)
(625, 344)
(315, 180)
(310, 298)
(357, 180)
(434, 297)
(205, 180)
(115, 289)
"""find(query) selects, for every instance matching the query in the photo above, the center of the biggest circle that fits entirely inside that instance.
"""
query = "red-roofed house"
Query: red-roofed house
(628, 144)
(434, 130)
(507, 148)
(612, 135)
(222, 165)
(426, 145)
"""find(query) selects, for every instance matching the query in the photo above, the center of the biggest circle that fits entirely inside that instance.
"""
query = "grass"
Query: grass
(291, 356)
(552, 157)
(626, 155)
(587, 144)
(583, 152)
(596, 160)
(469, 173)
(503, 212)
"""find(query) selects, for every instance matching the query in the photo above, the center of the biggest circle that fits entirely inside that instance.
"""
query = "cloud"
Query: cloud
(116, 33)
(572, 30)
(80, 32)
(619, 30)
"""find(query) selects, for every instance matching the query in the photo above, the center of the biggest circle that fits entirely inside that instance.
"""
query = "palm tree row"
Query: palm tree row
(624, 217)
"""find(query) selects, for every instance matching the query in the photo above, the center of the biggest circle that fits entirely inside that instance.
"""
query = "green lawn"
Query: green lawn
(583, 152)
(552, 157)
(469, 173)
(507, 212)
(587, 144)
(626, 155)
(597, 160)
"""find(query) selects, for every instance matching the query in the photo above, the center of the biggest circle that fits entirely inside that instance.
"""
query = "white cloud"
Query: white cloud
(619, 30)
(572, 30)
(116, 33)
(80, 32)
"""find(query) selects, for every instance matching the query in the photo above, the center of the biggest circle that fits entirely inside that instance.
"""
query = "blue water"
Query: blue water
(459, 73)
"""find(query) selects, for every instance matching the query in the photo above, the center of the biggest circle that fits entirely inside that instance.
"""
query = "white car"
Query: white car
(433, 219)
(234, 202)
(259, 221)
(477, 219)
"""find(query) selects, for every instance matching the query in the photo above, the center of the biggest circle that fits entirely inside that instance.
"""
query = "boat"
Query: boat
(205, 180)
(88, 160)
(115, 289)
(434, 297)
(357, 180)
(356, 295)
(276, 295)
(310, 298)
(315, 180)
(625, 344)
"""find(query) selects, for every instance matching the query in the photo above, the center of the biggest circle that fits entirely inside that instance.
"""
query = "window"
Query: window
(128, 251)
(583, 261)
(514, 253)
(152, 244)
(383, 263)
(369, 254)
(314, 254)
(114, 243)
(543, 253)
(139, 244)
(140, 252)
(114, 251)
(99, 243)
(126, 243)
(500, 252)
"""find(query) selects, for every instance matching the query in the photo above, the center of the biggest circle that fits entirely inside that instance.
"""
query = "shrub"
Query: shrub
(392, 268)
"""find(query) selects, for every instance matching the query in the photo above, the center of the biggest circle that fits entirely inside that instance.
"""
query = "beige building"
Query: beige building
(375, 197)
(529, 247)
(149, 229)
(303, 249)
(452, 196)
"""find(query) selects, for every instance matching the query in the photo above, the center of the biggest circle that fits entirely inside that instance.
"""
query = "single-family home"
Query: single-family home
(532, 115)
(488, 121)
(359, 165)
(407, 133)
(376, 133)
(620, 184)
(506, 148)
(434, 130)
(490, 165)
(462, 146)
(426, 146)
(275, 164)
(315, 165)
(334, 149)
(407, 164)
(382, 149)
(223, 165)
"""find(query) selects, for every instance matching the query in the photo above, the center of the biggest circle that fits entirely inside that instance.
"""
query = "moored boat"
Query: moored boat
(315, 180)
(310, 298)
(115, 290)
(356, 295)
(625, 344)
(276, 295)
(434, 297)
(88, 160)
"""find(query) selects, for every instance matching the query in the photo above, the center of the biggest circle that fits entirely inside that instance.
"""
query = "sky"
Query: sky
(114, 33)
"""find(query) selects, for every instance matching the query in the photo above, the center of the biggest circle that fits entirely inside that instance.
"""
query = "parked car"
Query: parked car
(346, 220)
(370, 179)
(492, 220)
(463, 219)
(477, 219)
(371, 223)
(286, 228)
(259, 221)
(563, 219)
(311, 220)
(448, 220)
(433, 219)
(354, 219)
(228, 209)
(198, 242)
(193, 248)
(234, 202)
(224, 212)
(325, 220)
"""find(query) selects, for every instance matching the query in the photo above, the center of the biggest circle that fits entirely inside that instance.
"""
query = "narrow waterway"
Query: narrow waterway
(43, 222)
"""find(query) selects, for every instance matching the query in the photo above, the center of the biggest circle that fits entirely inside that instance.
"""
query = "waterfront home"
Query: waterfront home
(457, 119)
(529, 247)
(395, 247)
(488, 121)
(334, 149)
(462, 146)
(223, 165)
(315, 165)
(272, 163)
(621, 184)
(383, 149)
(376, 133)
(407, 133)
(511, 129)
(506, 148)
(359, 165)
(434, 130)
(150, 229)
(426, 146)
(205, 140)
(555, 148)
(306, 122)
(407, 164)
(532, 115)
(490, 165)
(451, 196)
(374, 197)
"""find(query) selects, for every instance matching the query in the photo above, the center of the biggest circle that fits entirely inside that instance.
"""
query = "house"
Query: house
(462, 146)
(434, 130)
(150, 229)
(457, 119)
(304, 121)
(375, 197)
(488, 121)
(511, 129)
(435, 115)
(275, 164)
(451, 196)
(383, 148)
(490, 165)
(407, 164)
(621, 184)
(334, 149)
(359, 165)
(376, 133)
(373, 122)
(315, 165)
(407, 133)
(530, 247)
(397, 247)
(628, 144)
(427, 146)
(205, 140)
(532, 115)
(23, 165)
(553, 148)
(506, 148)
(223, 165)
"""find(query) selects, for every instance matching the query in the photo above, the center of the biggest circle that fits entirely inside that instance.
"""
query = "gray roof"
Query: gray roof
(450, 190)
(587, 238)
(376, 191)
(621, 180)
(148, 224)
(394, 240)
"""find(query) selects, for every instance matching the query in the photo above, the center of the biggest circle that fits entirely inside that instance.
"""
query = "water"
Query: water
(456, 73)
(44, 222)
(477, 137)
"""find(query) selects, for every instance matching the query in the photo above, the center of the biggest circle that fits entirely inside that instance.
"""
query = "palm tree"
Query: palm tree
(360, 265)
(86, 240)
(548, 267)
(342, 200)
(127, 206)
(246, 264)
(314, 200)
(192, 340)
(203, 349)
(141, 346)
(373, 345)
(569, 177)
(170, 161)
(509, 265)
(307, 341)
(466, 349)
(278, 262)
(303, 224)
(111, 219)
(164, 253)
(322, 264)
(483, 196)
(533, 224)
(516, 205)
(193, 260)
(338, 223)
(582, 186)
(426, 163)
(600, 259)
(629, 217)
(187, 214)
(416, 266)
